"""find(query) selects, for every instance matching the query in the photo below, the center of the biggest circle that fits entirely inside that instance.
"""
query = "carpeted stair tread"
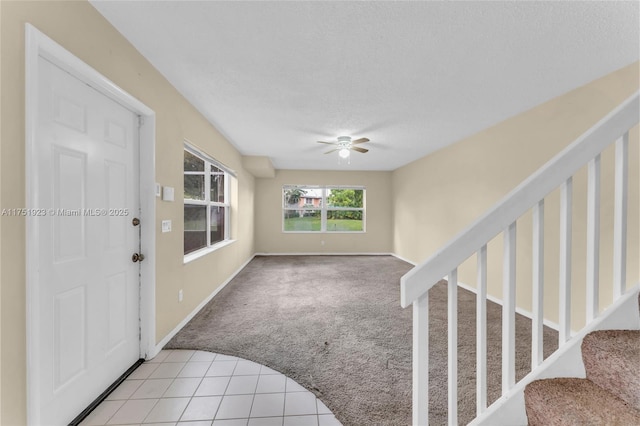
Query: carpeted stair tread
(612, 361)
(573, 401)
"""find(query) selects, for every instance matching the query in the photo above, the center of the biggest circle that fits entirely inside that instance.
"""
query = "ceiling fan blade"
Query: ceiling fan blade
(328, 143)
(333, 150)
(361, 140)
(357, 148)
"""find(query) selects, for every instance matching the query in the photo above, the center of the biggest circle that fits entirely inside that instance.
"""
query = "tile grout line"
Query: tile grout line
(194, 391)
(197, 387)
(255, 389)
(225, 390)
(150, 411)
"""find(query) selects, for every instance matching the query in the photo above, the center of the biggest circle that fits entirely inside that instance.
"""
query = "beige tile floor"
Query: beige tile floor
(196, 388)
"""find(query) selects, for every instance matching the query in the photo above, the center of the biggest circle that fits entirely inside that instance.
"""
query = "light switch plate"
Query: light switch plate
(166, 226)
(167, 193)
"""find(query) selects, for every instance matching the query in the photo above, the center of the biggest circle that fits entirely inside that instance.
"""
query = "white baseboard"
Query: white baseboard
(339, 254)
(324, 254)
(520, 311)
(403, 259)
(193, 313)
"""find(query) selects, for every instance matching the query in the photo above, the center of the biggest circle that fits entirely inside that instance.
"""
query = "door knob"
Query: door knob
(137, 257)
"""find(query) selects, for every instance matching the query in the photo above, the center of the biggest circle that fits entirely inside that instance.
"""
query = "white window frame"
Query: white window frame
(324, 208)
(208, 163)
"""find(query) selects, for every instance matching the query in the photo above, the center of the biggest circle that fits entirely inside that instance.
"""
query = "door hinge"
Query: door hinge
(140, 121)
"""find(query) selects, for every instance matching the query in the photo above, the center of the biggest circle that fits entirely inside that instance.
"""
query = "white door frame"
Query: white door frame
(39, 45)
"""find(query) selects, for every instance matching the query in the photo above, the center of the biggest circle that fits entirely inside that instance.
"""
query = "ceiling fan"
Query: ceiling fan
(344, 145)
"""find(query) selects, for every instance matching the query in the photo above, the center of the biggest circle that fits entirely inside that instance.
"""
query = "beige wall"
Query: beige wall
(78, 27)
(435, 197)
(269, 237)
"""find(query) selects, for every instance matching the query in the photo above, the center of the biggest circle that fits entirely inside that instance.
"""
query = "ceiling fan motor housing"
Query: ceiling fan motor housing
(344, 144)
(344, 141)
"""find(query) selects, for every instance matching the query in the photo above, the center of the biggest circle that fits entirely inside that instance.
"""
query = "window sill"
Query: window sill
(204, 251)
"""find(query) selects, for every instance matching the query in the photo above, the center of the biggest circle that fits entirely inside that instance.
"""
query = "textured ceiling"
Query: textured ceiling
(413, 77)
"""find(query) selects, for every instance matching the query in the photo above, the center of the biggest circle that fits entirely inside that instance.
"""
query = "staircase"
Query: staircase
(611, 358)
(609, 395)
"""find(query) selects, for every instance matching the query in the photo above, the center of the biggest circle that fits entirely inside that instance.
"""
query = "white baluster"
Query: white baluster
(509, 309)
(620, 217)
(593, 238)
(421, 360)
(453, 347)
(481, 333)
(537, 354)
(566, 195)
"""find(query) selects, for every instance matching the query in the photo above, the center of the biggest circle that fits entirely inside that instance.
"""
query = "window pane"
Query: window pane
(193, 163)
(217, 224)
(344, 221)
(302, 197)
(217, 185)
(195, 227)
(345, 198)
(194, 187)
(302, 220)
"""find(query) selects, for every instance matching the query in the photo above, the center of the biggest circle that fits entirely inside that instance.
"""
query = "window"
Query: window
(323, 209)
(206, 201)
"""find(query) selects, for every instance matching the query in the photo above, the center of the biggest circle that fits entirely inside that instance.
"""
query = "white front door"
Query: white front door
(87, 287)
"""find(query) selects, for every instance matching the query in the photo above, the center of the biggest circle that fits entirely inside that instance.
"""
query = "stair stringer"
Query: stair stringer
(509, 409)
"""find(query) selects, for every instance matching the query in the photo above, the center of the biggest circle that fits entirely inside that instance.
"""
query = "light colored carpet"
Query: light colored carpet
(334, 324)
(572, 401)
(612, 361)
(610, 394)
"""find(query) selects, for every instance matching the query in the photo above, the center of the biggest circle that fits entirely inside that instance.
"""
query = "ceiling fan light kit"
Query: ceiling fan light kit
(345, 145)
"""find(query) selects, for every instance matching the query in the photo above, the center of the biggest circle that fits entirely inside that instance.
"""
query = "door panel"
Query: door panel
(69, 113)
(70, 335)
(68, 191)
(115, 191)
(87, 285)
(116, 310)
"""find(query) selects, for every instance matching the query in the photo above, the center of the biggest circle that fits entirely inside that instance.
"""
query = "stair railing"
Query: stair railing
(502, 217)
